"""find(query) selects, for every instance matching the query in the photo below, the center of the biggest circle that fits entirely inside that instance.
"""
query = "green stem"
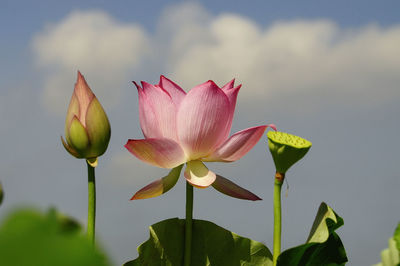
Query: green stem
(91, 204)
(188, 224)
(277, 216)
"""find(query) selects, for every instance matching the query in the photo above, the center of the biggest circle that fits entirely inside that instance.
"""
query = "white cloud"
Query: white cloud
(102, 48)
(302, 62)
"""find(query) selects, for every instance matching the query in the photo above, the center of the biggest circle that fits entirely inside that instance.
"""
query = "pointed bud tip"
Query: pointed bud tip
(80, 77)
(82, 86)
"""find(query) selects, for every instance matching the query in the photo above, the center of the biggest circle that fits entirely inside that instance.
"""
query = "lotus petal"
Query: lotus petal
(237, 145)
(232, 96)
(159, 186)
(70, 149)
(202, 120)
(164, 153)
(229, 188)
(198, 175)
(77, 136)
(98, 128)
(228, 85)
(157, 112)
(84, 95)
(177, 93)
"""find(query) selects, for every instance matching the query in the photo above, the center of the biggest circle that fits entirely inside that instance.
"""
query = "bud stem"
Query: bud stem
(279, 177)
(91, 203)
(188, 224)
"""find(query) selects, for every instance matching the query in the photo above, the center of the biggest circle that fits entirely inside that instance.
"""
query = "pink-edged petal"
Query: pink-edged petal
(73, 111)
(198, 175)
(157, 112)
(228, 85)
(202, 120)
(232, 96)
(164, 153)
(237, 145)
(177, 93)
(147, 117)
(84, 96)
(229, 188)
(159, 186)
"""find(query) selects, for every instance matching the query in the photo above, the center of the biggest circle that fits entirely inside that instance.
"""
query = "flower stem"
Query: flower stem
(277, 216)
(188, 224)
(91, 204)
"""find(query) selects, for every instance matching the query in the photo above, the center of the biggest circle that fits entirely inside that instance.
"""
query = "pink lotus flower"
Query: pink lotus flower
(190, 128)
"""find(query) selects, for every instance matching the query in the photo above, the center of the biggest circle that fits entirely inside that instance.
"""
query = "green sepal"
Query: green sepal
(77, 137)
(323, 246)
(212, 245)
(286, 149)
(170, 180)
(73, 110)
(29, 237)
(70, 149)
(98, 129)
(160, 186)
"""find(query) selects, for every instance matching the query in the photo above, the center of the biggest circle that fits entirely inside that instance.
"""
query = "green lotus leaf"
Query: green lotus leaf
(29, 237)
(212, 245)
(323, 246)
(391, 255)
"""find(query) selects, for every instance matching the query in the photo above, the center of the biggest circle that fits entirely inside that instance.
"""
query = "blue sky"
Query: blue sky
(324, 70)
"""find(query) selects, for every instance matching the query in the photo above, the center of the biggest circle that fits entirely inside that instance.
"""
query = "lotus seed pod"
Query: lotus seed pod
(286, 149)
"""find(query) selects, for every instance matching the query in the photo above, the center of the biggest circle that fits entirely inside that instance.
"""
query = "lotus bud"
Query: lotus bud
(286, 150)
(87, 129)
